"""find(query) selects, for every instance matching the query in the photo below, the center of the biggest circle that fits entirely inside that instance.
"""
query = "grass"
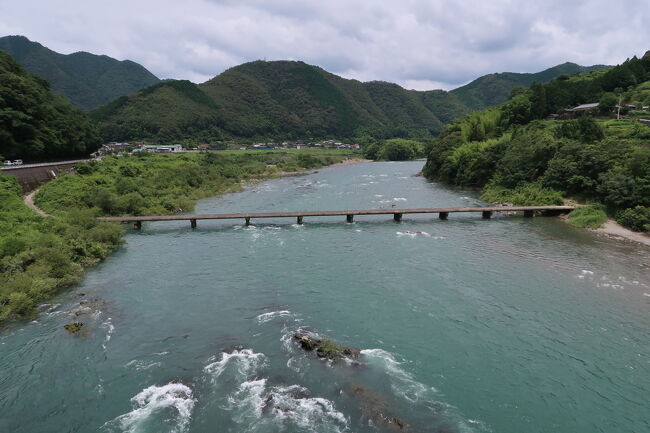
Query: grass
(590, 217)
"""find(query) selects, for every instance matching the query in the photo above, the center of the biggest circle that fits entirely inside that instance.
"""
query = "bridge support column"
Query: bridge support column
(529, 213)
(137, 225)
(487, 214)
(299, 220)
(248, 221)
(443, 215)
(349, 218)
(193, 223)
(397, 217)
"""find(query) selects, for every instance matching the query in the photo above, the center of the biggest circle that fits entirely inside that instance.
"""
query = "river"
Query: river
(508, 325)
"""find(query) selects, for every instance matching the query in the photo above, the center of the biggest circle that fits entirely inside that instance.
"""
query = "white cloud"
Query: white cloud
(416, 43)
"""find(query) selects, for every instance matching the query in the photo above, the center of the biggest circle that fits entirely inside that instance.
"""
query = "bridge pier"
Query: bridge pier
(193, 223)
(137, 225)
(248, 221)
(397, 217)
(299, 220)
(349, 218)
(529, 213)
(487, 214)
(443, 215)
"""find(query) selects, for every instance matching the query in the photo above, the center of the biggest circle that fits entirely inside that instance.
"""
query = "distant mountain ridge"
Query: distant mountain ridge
(280, 98)
(296, 100)
(88, 80)
(494, 89)
(258, 99)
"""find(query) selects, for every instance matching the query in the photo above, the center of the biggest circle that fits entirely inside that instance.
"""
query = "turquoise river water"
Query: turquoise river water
(508, 325)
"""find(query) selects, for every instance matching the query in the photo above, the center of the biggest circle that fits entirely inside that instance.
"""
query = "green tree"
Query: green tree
(607, 103)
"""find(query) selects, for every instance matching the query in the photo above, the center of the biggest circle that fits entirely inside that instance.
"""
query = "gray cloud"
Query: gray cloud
(416, 43)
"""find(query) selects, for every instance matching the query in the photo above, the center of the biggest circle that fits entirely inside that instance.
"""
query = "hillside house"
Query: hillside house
(580, 110)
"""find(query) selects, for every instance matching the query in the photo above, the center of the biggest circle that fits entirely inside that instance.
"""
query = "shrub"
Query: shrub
(636, 218)
(528, 195)
(590, 217)
(20, 303)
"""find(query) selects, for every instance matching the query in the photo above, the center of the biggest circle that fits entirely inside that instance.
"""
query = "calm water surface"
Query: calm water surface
(507, 325)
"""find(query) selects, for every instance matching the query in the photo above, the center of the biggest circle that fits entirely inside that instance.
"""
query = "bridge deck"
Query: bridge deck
(397, 213)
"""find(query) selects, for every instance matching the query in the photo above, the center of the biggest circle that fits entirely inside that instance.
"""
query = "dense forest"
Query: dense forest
(39, 255)
(292, 100)
(36, 123)
(87, 80)
(518, 156)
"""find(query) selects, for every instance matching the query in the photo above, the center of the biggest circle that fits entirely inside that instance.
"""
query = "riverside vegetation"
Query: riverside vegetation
(516, 156)
(40, 256)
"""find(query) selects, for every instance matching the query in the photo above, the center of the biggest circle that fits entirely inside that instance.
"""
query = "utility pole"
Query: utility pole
(618, 114)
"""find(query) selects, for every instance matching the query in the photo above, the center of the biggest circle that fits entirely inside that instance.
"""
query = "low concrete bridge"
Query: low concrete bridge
(30, 176)
(443, 214)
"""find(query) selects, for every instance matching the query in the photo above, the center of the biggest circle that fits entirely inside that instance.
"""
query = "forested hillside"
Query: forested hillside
(289, 100)
(494, 89)
(517, 156)
(36, 123)
(88, 80)
(262, 99)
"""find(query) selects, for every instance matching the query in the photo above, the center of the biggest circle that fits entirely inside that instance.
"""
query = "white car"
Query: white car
(16, 162)
(7, 162)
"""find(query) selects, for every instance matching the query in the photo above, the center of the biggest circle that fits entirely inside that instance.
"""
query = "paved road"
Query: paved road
(43, 164)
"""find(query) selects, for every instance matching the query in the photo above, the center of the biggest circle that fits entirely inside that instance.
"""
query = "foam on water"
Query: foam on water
(267, 317)
(402, 383)
(140, 365)
(244, 362)
(414, 234)
(110, 328)
(166, 408)
(256, 404)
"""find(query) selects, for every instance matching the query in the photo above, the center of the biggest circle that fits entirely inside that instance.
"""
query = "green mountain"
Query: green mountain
(88, 80)
(36, 123)
(282, 98)
(494, 89)
(295, 100)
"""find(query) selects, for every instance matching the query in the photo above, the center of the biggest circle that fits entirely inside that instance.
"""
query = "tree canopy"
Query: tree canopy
(36, 123)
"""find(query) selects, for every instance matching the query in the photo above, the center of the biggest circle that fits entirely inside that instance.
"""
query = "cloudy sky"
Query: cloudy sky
(418, 44)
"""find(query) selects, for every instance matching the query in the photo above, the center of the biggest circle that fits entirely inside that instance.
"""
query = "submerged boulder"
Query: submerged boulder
(74, 327)
(326, 348)
(375, 409)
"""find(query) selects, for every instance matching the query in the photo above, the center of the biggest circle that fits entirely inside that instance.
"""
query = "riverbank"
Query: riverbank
(39, 257)
(350, 161)
(614, 230)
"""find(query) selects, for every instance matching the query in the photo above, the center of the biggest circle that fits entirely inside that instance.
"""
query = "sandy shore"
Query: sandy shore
(615, 230)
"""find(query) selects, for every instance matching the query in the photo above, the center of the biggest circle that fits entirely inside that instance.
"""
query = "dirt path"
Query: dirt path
(29, 201)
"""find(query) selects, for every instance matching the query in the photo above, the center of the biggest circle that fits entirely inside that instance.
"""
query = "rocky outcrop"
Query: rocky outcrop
(74, 327)
(325, 348)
